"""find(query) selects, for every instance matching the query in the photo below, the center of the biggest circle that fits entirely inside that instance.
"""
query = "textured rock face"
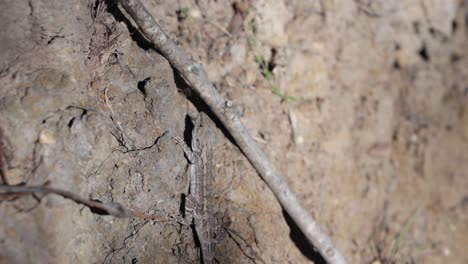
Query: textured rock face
(362, 105)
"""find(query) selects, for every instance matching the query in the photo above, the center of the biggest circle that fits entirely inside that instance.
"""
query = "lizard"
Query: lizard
(198, 211)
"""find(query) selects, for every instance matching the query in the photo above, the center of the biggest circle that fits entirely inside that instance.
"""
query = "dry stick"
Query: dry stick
(114, 209)
(195, 75)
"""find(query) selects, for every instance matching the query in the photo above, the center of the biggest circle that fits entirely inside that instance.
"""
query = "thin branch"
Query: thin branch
(231, 234)
(195, 75)
(218, 26)
(114, 209)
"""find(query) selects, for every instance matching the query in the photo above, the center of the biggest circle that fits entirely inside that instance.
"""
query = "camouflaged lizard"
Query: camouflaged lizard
(198, 211)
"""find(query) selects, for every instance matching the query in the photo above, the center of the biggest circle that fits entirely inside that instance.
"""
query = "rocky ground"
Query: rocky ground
(361, 104)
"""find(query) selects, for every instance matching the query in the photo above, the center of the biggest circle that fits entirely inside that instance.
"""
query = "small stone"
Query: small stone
(299, 140)
(194, 13)
(14, 176)
(46, 138)
(452, 227)
(447, 251)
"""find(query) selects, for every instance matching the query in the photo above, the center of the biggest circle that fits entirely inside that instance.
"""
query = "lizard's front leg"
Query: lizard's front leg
(187, 151)
(186, 217)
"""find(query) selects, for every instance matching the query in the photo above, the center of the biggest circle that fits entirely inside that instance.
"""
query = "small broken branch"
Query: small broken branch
(196, 76)
(114, 209)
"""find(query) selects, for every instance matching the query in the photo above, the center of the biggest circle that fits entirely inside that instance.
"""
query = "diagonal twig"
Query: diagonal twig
(114, 209)
(195, 75)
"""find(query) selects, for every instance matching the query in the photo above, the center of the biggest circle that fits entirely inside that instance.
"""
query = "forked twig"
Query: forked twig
(114, 209)
(233, 233)
(195, 75)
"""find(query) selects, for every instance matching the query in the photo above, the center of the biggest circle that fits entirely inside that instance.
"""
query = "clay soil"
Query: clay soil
(362, 105)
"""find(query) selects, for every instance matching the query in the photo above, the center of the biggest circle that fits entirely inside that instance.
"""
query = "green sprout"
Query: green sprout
(276, 91)
(402, 235)
(290, 98)
(259, 59)
(183, 13)
(269, 76)
(263, 65)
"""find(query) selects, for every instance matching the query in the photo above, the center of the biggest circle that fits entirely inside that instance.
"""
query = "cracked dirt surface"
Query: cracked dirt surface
(361, 104)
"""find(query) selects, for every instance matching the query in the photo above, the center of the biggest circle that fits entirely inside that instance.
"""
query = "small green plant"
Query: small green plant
(290, 98)
(402, 235)
(276, 91)
(269, 76)
(263, 65)
(183, 13)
